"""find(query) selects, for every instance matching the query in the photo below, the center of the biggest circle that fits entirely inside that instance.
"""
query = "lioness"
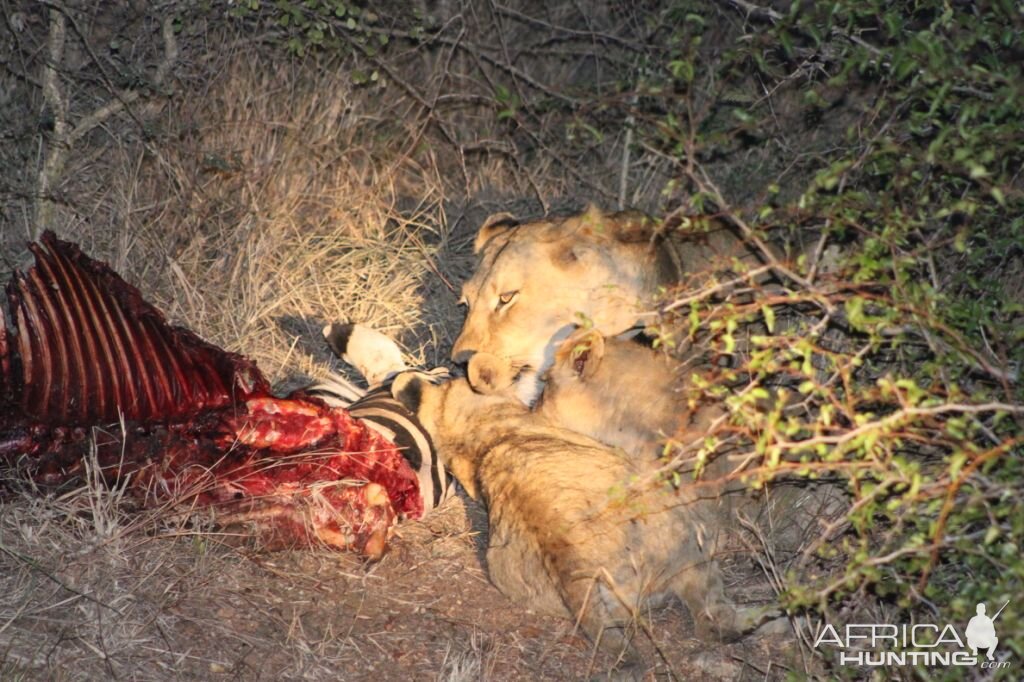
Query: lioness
(535, 282)
(567, 536)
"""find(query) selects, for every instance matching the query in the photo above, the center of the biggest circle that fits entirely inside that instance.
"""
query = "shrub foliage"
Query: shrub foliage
(887, 350)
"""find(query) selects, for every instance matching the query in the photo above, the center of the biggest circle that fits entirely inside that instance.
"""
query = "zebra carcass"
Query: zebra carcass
(93, 377)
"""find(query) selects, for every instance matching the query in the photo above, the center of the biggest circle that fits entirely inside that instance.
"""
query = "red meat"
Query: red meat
(92, 372)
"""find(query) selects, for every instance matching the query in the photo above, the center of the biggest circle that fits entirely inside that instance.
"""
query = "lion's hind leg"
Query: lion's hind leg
(607, 616)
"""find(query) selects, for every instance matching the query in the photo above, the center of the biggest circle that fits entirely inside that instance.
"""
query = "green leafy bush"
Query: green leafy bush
(887, 349)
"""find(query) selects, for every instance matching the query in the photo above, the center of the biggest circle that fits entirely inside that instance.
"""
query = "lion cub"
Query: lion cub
(615, 390)
(573, 531)
(620, 392)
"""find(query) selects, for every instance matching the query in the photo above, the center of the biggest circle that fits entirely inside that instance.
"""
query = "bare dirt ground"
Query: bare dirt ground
(105, 594)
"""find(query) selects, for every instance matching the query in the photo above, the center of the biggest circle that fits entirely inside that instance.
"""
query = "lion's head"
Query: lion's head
(535, 282)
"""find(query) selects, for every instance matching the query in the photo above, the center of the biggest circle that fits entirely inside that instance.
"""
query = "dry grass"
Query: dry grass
(130, 598)
(269, 207)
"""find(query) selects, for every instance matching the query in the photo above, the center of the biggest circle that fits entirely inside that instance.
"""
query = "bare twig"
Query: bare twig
(627, 146)
(34, 565)
(511, 70)
(584, 35)
(64, 137)
(819, 249)
(56, 103)
(706, 292)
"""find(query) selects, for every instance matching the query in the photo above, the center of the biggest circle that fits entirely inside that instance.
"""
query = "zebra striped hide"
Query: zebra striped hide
(380, 411)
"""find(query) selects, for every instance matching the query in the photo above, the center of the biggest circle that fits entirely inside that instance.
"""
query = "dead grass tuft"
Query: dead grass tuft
(269, 207)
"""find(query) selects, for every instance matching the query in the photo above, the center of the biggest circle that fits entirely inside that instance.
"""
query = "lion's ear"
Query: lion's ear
(498, 226)
(582, 352)
(622, 226)
(634, 226)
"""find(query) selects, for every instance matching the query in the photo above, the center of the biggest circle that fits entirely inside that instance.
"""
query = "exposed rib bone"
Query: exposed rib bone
(92, 349)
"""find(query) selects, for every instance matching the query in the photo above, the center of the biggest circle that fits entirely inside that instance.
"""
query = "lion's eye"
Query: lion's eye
(506, 298)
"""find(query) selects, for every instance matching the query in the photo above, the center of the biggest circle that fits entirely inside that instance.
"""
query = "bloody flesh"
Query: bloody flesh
(92, 372)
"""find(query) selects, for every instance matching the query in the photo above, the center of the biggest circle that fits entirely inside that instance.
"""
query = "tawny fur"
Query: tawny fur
(535, 282)
(622, 393)
(616, 390)
(572, 531)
